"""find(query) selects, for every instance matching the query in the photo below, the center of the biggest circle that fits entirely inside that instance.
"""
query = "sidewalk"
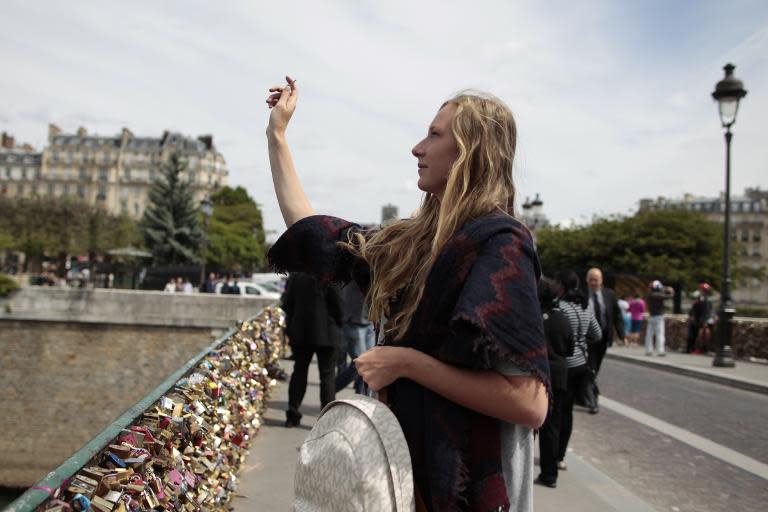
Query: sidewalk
(266, 481)
(746, 375)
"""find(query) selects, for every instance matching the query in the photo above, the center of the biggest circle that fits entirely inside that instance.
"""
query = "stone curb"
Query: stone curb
(726, 380)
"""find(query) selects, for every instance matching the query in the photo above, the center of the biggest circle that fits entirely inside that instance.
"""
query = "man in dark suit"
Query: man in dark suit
(313, 325)
(605, 306)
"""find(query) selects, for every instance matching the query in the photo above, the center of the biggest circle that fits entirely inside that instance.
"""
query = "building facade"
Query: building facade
(749, 226)
(114, 172)
(19, 166)
(389, 214)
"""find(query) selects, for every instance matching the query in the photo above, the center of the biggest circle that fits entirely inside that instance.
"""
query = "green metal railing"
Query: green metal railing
(39, 493)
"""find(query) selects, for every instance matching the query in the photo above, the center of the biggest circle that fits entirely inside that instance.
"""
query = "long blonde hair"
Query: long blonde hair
(401, 255)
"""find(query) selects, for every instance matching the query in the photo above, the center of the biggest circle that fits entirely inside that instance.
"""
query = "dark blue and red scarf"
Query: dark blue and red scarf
(479, 307)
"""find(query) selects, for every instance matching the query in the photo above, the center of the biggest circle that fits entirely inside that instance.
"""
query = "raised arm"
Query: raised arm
(294, 204)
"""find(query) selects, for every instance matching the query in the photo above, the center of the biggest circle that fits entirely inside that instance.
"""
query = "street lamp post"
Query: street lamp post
(728, 93)
(206, 206)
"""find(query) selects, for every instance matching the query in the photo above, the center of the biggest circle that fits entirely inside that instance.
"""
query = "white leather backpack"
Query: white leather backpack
(355, 459)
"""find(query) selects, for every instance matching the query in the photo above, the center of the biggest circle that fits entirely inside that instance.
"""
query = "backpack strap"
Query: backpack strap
(392, 439)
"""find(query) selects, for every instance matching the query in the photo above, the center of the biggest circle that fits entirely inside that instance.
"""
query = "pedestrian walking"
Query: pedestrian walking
(454, 289)
(602, 301)
(560, 345)
(626, 315)
(313, 321)
(209, 285)
(656, 298)
(636, 313)
(170, 286)
(358, 334)
(585, 329)
(700, 320)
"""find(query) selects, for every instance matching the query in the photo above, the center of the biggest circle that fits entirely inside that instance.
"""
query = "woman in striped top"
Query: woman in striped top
(585, 328)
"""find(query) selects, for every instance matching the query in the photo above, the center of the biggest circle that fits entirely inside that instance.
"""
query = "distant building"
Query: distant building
(533, 214)
(116, 172)
(389, 213)
(749, 225)
(19, 167)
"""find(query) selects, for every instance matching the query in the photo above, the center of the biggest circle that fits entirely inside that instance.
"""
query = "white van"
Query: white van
(252, 290)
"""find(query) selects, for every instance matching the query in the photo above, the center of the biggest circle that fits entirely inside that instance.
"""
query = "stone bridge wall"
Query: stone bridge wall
(74, 360)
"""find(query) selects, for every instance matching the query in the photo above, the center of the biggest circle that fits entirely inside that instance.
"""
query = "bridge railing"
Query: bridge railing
(181, 446)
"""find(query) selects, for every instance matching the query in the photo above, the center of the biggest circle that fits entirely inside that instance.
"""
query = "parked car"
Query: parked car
(254, 290)
(270, 280)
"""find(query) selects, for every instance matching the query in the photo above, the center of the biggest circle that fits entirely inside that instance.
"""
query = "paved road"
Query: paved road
(728, 416)
(666, 472)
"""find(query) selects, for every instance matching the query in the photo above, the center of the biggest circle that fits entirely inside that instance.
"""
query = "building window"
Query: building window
(102, 193)
(81, 191)
(20, 189)
(51, 189)
(65, 189)
(756, 235)
(744, 235)
(136, 209)
(8, 173)
(127, 174)
(34, 189)
(103, 176)
(83, 174)
(24, 173)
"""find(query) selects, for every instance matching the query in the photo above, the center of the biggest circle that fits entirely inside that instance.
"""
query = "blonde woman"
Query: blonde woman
(453, 288)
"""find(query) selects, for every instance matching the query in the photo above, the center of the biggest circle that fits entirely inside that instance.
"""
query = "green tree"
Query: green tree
(171, 222)
(235, 232)
(675, 246)
(61, 226)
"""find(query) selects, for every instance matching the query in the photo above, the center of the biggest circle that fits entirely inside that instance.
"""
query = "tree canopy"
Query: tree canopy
(171, 222)
(39, 226)
(235, 232)
(675, 246)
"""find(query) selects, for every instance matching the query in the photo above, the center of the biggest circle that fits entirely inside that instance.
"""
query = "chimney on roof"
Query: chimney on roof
(6, 141)
(27, 147)
(164, 137)
(81, 132)
(207, 140)
(53, 131)
(125, 135)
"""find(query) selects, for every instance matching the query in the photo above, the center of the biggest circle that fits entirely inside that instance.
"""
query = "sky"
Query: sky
(612, 99)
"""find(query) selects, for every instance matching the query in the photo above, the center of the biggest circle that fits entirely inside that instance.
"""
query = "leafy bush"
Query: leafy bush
(7, 285)
(752, 312)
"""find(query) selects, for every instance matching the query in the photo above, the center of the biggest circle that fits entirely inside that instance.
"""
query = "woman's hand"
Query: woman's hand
(282, 101)
(381, 366)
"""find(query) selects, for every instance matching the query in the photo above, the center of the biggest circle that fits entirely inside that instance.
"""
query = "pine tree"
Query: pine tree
(171, 222)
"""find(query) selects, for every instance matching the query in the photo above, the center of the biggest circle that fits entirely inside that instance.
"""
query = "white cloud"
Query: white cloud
(607, 113)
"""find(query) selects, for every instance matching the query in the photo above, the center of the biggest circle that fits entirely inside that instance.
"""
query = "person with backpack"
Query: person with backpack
(560, 345)
(453, 290)
(585, 328)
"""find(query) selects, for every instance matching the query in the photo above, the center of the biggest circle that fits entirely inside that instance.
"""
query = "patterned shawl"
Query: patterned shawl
(479, 310)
